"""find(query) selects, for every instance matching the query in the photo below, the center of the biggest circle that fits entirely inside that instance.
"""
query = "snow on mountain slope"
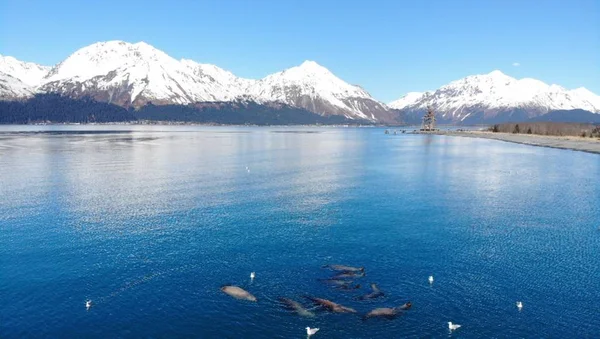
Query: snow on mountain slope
(587, 96)
(313, 87)
(28, 73)
(12, 88)
(494, 94)
(129, 74)
(408, 99)
(235, 86)
(135, 74)
(125, 73)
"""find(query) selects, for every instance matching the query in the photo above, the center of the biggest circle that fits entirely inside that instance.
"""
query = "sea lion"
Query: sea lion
(296, 307)
(348, 275)
(331, 306)
(344, 268)
(384, 312)
(387, 312)
(238, 292)
(406, 306)
(348, 287)
(375, 294)
(335, 282)
(340, 284)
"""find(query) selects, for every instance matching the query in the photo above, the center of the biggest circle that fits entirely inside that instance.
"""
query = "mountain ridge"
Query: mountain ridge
(138, 74)
(495, 97)
(28, 73)
(135, 74)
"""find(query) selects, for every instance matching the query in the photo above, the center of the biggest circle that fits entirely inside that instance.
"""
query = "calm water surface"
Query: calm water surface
(149, 222)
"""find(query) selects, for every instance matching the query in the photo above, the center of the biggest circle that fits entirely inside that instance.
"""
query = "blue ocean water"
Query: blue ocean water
(149, 221)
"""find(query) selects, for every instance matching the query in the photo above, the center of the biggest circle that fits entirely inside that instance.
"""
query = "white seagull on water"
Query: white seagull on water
(311, 331)
(431, 279)
(519, 305)
(452, 326)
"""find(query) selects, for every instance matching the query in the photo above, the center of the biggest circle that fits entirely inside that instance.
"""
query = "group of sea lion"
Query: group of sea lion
(343, 280)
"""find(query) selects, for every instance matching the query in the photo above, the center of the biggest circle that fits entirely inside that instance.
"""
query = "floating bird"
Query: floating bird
(252, 275)
(88, 304)
(519, 305)
(431, 279)
(311, 331)
(452, 326)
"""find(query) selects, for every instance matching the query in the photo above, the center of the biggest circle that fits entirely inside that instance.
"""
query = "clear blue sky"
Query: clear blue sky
(388, 47)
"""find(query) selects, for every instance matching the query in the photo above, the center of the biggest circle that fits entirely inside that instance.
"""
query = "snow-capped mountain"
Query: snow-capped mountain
(134, 74)
(129, 74)
(313, 87)
(587, 96)
(27, 72)
(236, 87)
(12, 88)
(408, 99)
(18, 79)
(496, 96)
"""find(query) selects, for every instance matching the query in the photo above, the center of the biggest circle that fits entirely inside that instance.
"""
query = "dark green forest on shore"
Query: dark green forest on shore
(53, 108)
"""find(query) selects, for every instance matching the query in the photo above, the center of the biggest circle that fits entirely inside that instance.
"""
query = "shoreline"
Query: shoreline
(589, 145)
(574, 143)
(191, 123)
